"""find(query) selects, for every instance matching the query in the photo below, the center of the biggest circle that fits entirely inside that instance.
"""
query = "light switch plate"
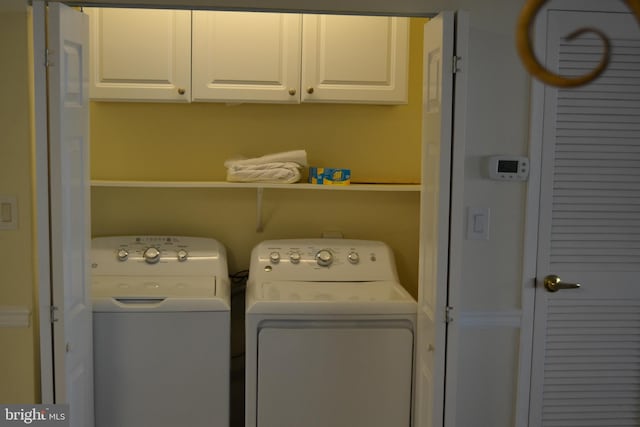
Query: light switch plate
(8, 213)
(478, 223)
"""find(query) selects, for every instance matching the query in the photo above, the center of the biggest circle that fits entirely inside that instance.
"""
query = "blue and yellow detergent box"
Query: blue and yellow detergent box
(329, 176)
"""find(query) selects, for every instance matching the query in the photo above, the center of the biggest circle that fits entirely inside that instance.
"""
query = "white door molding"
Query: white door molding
(42, 201)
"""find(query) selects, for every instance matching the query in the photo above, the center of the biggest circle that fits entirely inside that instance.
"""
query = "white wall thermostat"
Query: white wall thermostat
(509, 168)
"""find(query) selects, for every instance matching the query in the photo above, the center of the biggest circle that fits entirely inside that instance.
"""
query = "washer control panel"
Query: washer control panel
(152, 249)
(132, 254)
(323, 259)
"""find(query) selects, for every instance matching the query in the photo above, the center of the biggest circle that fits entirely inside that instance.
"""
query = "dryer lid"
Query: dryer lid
(330, 297)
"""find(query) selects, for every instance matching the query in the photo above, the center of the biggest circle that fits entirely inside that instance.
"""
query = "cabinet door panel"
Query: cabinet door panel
(246, 57)
(140, 55)
(358, 59)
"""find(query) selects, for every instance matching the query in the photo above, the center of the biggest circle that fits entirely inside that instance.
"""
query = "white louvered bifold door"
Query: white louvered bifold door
(586, 358)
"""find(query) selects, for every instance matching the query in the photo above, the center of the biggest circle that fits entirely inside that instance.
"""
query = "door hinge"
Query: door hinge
(456, 64)
(448, 318)
(52, 313)
(47, 62)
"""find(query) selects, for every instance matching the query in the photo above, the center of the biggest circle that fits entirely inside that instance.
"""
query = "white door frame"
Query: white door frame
(42, 201)
(456, 209)
(362, 7)
(407, 7)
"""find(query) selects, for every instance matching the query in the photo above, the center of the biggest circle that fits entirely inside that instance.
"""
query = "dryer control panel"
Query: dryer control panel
(323, 260)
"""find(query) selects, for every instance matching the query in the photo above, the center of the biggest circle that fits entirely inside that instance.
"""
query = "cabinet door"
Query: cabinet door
(246, 57)
(140, 55)
(359, 59)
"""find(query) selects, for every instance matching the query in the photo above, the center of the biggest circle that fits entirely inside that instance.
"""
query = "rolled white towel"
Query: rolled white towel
(272, 168)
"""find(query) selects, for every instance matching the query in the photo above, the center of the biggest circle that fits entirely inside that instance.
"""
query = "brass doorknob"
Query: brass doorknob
(292, 91)
(309, 90)
(181, 91)
(552, 283)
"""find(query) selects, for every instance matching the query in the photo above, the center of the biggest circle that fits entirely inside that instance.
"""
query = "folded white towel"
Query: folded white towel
(285, 173)
(295, 156)
(272, 168)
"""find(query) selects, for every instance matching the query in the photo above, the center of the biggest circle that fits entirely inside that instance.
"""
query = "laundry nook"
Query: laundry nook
(264, 139)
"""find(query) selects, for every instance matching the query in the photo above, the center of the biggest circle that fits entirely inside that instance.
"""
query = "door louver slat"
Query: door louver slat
(592, 363)
(591, 369)
(597, 161)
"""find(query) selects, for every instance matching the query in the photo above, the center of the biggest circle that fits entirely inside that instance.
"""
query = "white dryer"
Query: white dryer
(161, 331)
(329, 336)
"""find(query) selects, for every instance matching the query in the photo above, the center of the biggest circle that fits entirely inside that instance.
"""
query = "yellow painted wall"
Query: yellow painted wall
(182, 142)
(19, 373)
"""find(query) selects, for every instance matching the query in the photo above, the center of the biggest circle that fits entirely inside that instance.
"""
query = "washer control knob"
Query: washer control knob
(294, 257)
(123, 254)
(274, 257)
(353, 257)
(324, 258)
(182, 255)
(151, 255)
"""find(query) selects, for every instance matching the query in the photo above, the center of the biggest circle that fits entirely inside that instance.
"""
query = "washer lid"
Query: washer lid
(330, 297)
(158, 293)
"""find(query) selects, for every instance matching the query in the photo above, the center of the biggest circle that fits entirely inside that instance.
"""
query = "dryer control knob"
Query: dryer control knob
(123, 254)
(182, 255)
(294, 257)
(151, 255)
(324, 258)
(353, 257)
(274, 257)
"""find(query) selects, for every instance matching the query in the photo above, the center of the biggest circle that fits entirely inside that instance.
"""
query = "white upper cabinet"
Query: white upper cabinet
(140, 55)
(246, 57)
(354, 59)
(161, 55)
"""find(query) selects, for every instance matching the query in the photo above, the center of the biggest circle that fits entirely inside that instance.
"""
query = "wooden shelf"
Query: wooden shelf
(224, 184)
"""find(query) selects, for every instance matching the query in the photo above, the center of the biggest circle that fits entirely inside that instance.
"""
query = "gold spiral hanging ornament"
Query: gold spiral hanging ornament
(537, 70)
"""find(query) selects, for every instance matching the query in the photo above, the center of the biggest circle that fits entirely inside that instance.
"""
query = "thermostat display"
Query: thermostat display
(508, 168)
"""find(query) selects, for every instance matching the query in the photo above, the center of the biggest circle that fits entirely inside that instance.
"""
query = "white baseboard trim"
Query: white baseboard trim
(511, 319)
(14, 317)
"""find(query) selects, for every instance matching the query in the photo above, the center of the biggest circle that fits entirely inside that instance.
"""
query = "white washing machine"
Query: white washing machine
(329, 336)
(161, 331)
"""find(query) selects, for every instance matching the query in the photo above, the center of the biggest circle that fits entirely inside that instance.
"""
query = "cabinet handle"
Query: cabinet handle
(181, 91)
(292, 91)
(309, 90)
